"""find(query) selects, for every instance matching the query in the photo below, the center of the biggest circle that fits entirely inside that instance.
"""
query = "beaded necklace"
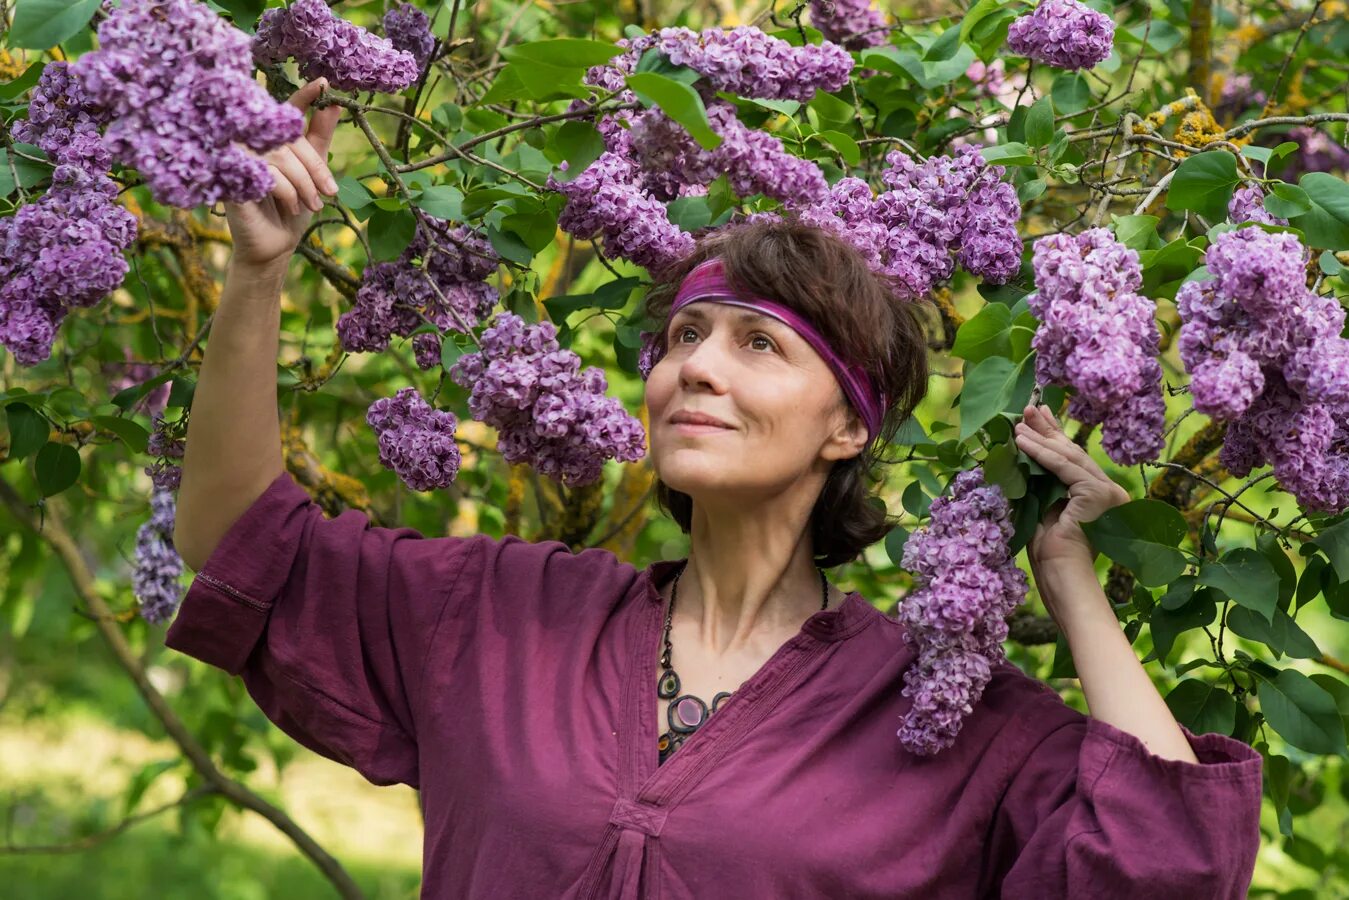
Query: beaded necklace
(687, 713)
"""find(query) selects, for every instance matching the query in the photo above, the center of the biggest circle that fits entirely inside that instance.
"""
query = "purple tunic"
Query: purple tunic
(514, 684)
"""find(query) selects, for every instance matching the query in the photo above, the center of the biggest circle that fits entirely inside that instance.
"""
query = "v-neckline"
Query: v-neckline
(659, 783)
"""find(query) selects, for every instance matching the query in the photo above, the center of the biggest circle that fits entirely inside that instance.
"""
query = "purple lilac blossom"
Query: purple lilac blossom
(64, 121)
(966, 583)
(1238, 94)
(1317, 152)
(547, 412)
(855, 24)
(394, 295)
(157, 567)
(1098, 336)
(409, 30)
(416, 440)
(328, 46)
(1265, 354)
(61, 252)
(162, 444)
(1248, 205)
(989, 78)
(1063, 33)
(178, 83)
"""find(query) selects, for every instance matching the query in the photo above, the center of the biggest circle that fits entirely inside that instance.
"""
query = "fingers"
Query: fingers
(298, 186)
(283, 192)
(314, 165)
(312, 150)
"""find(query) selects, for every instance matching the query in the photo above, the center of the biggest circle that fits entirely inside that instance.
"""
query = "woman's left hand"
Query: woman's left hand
(1059, 537)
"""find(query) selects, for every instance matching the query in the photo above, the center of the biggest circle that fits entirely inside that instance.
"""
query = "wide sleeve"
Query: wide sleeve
(1090, 812)
(328, 621)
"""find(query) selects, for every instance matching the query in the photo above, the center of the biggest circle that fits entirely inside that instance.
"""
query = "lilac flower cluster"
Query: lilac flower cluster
(1317, 152)
(989, 79)
(154, 580)
(547, 412)
(856, 24)
(176, 81)
(164, 446)
(966, 584)
(416, 440)
(1066, 34)
(1264, 352)
(61, 252)
(409, 29)
(937, 213)
(395, 295)
(1238, 94)
(1248, 205)
(64, 121)
(328, 46)
(1100, 338)
(743, 61)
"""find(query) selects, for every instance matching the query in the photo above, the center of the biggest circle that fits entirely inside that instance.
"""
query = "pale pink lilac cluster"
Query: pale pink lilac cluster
(966, 583)
(177, 82)
(1265, 353)
(154, 578)
(1065, 34)
(1248, 205)
(394, 296)
(1098, 336)
(64, 121)
(547, 412)
(855, 24)
(416, 440)
(59, 253)
(165, 446)
(409, 30)
(328, 46)
(989, 79)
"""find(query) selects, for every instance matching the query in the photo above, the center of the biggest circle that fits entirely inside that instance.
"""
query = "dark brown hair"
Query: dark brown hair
(826, 280)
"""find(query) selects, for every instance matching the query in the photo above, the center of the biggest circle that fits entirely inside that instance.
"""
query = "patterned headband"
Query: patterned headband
(707, 281)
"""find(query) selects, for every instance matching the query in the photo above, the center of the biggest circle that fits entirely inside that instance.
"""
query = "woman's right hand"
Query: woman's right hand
(266, 231)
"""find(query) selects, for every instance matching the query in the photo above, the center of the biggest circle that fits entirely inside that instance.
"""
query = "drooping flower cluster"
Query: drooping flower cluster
(1098, 336)
(409, 29)
(164, 446)
(856, 24)
(945, 211)
(989, 78)
(742, 60)
(547, 412)
(176, 80)
(395, 295)
(416, 440)
(1264, 352)
(64, 121)
(1066, 34)
(1248, 205)
(61, 252)
(328, 46)
(966, 584)
(154, 580)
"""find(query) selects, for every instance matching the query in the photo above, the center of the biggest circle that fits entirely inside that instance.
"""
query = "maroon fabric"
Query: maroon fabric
(514, 684)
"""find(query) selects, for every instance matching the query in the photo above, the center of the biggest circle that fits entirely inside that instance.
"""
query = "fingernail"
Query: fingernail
(330, 184)
(315, 204)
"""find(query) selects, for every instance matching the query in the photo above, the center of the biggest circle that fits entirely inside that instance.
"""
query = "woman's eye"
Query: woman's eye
(679, 337)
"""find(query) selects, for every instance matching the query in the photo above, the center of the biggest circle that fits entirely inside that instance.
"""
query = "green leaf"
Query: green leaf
(57, 467)
(450, 350)
(1327, 225)
(977, 13)
(141, 781)
(128, 430)
(1329, 264)
(1040, 122)
(1141, 535)
(988, 388)
(846, 146)
(1281, 636)
(442, 201)
(1071, 93)
(129, 397)
(41, 24)
(1245, 575)
(829, 108)
(678, 101)
(352, 194)
(1030, 190)
(944, 47)
(509, 245)
(1135, 232)
(1199, 609)
(1287, 200)
(11, 90)
(1334, 543)
(30, 173)
(1203, 183)
(1202, 707)
(1001, 468)
(580, 145)
(894, 543)
(28, 430)
(1010, 154)
(985, 334)
(389, 232)
(1302, 712)
(180, 393)
(564, 52)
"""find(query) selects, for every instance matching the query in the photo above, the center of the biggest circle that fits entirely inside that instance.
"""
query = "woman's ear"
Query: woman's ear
(849, 438)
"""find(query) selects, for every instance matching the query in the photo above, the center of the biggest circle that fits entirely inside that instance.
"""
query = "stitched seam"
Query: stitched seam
(224, 588)
(309, 688)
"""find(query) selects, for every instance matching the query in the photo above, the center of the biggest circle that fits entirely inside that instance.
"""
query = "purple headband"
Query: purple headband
(707, 281)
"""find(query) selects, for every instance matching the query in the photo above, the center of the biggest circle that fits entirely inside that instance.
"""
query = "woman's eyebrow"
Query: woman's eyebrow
(743, 317)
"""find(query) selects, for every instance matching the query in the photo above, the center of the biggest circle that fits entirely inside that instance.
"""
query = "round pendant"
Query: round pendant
(668, 685)
(686, 714)
(719, 699)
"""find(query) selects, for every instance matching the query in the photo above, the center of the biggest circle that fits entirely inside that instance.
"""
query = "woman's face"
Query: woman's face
(786, 416)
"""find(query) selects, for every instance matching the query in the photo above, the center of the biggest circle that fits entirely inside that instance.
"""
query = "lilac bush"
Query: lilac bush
(1066, 34)
(855, 24)
(409, 29)
(328, 46)
(64, 121)
(416, 440)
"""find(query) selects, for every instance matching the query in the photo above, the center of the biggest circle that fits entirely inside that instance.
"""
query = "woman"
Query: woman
(524, 690)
